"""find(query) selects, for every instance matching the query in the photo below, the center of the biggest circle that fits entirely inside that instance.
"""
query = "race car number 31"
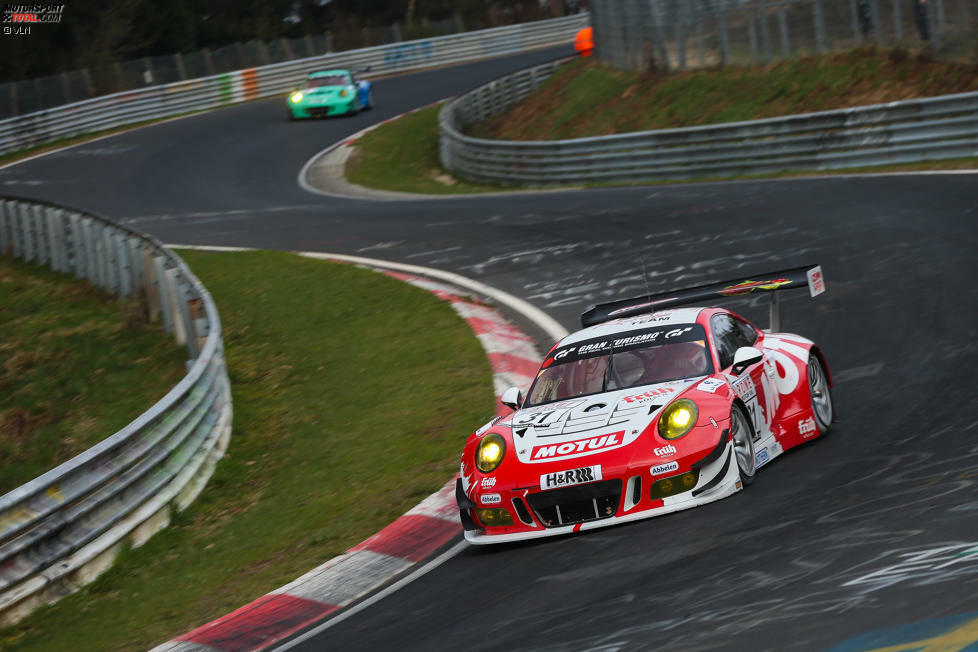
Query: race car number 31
(571, 477)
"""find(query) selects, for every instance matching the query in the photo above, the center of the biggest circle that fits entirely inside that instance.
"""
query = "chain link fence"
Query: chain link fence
(681, 34)
(23, 97)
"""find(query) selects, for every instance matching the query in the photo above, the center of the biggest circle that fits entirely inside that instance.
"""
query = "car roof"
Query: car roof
(328, 73)
(635, 323)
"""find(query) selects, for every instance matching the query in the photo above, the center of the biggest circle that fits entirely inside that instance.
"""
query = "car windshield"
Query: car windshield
(643, 357)
(328, 80)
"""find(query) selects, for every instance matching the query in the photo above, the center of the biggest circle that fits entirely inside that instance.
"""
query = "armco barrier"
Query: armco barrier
(155, 102)
(63, 528)
(899, 132)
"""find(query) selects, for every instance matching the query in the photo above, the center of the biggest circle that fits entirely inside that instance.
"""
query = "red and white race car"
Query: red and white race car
(649, 409)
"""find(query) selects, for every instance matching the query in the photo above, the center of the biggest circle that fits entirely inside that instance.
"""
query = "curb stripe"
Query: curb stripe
(412, 537)
(268, 618)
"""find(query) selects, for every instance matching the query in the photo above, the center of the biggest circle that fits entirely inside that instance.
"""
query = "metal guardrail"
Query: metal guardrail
(899, 132)
(60, 530)
(174, 99)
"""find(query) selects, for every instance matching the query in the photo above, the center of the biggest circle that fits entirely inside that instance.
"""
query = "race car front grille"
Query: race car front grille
(578, 504)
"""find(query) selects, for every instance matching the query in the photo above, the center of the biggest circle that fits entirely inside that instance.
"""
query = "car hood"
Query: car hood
(589, 425)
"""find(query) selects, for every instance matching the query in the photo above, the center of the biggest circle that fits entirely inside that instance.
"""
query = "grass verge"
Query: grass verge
(76, 365)
(588, 99)
(353, 393)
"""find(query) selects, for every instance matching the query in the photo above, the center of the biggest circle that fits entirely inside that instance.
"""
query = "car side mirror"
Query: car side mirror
(745, 357)
(512, 398)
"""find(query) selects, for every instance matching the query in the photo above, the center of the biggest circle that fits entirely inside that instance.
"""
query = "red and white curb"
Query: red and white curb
(400, 546)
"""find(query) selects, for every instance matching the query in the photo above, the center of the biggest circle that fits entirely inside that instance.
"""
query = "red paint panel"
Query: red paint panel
(259, 624)
(504, 362)
(249, 83)
(413, 537)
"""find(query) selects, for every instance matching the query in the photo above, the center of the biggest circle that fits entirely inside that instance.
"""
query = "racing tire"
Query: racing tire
(742, 435)
(370, 99)
(821, 395)
(290, 115)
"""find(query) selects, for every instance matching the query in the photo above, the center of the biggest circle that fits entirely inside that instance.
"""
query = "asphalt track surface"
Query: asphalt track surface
(873, 527)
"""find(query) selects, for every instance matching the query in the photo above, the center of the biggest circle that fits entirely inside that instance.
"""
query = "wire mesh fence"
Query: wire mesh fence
(23, 97)
(682, 34)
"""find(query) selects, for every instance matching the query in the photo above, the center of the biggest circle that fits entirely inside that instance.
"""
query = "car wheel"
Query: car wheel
(370, 98)
(818, 388)
(743, 444)
(290, 114)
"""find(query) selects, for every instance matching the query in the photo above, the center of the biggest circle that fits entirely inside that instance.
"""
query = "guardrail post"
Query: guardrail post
(111, 256)
(4, 228)
(150, 284)
(164, 293)
(27, 229)
(123, 278)
(90, 268)
(56, 238)
(40, 234)
(178, 307)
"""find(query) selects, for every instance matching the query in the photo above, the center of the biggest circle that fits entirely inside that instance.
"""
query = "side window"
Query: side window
(746, 334)
(726, 336)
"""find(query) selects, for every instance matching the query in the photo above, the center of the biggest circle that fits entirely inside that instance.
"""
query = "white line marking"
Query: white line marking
(369, 602)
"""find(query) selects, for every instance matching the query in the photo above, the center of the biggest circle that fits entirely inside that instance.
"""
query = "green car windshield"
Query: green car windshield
(632, 359)
(329, 80)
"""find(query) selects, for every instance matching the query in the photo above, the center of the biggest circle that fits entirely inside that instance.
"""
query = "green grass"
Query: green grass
(353, 394)
(403, 156)
(76, 365)
(586, 98)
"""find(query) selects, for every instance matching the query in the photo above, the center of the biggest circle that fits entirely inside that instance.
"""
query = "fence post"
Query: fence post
(88, 82)
(724, 37)
(818, 15)
(752, 36)
(680, 38)
(208, 62)
(875, 22)
(310, 49)
(287, 48)
(765, 31)
(4, 222)
(329, 41)
(854, 19)
(783, 25)
(181, 70)
(897, 22)
(66, 87)
(935, 28)
(699, 38)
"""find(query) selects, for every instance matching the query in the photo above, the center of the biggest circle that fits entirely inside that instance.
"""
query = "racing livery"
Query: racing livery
(650, 409)
(330, 92)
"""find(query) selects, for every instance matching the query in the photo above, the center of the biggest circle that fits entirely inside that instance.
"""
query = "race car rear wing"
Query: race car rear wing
(809, 276)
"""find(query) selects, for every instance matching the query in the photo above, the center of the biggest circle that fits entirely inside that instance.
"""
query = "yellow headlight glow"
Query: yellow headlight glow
(296, 97)
(678, 419)
(490, 452)
(343, 93)
(494, 517)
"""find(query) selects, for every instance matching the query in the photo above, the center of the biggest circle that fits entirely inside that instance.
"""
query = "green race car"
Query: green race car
(330, 92)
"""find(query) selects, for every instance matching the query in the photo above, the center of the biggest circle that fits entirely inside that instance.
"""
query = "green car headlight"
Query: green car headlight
(296, 96)
(490, 452)
(678, 419)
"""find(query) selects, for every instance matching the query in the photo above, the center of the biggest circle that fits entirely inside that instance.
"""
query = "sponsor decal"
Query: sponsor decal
(676, 332)
(762, 457)
(711, 385)
(636, 339)
(486, 427)
(488, 483)
(589, 445)
(652, 393)
(807, 427)
(665, 450)
(668, 467)
(491, 499)
(749, 286)
(571, 477)
(816, 282)
(745, 388)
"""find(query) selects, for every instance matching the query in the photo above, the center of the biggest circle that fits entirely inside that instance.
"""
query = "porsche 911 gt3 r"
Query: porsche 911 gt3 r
(330, 92)
(650, 409)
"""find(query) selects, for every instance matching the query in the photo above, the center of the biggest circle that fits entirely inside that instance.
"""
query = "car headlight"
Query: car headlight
(678, 419)
(490, 452)
(296, 96)
(343, 93)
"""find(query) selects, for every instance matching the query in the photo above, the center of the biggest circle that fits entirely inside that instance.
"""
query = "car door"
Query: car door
(729, 334)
